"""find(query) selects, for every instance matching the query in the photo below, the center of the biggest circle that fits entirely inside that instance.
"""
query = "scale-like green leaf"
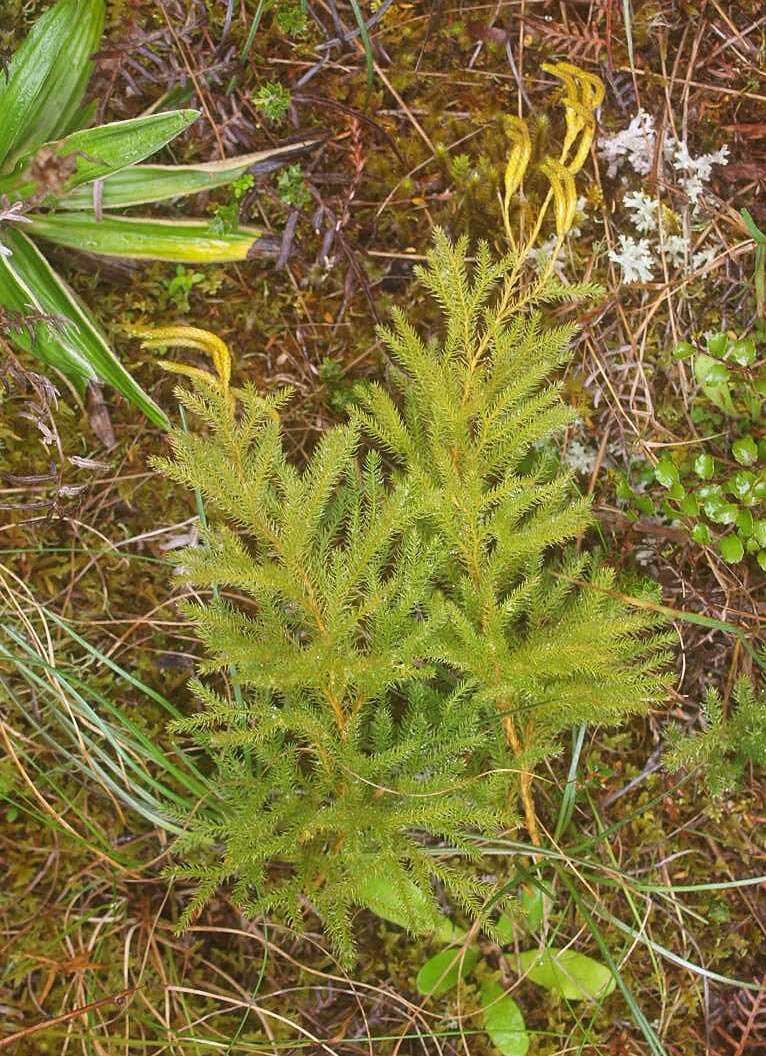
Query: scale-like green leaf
(79, 350)
(573, 975)
(142, 184)
(443, 971)
(103, 150)
(47, 77)
(137, 238)
(503, 1020)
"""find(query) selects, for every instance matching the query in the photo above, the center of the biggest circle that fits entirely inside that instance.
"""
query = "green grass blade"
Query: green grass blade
(655, 1045)
(48, 76)
(369, 59)
(80, 351)
(137, 238)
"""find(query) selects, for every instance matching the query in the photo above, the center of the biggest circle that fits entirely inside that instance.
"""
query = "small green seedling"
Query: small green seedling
(571, 975)
(718, 492)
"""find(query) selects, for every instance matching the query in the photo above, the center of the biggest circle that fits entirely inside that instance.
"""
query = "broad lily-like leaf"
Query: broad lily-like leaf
(503, 1020)
(99, 152)
(78, 349)
(136, 238)
(142, 184)
(573, 975)
(47, 77)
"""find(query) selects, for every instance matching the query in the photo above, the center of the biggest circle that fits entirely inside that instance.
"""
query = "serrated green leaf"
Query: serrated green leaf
(47, 77)
(503, 1020)
(137, 238)
(445, 969)
(573, 975)
(97, 152)
(142, 184)
(80, 350)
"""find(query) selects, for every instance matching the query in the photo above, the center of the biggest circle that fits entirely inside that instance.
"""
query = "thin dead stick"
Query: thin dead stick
(67, 1017)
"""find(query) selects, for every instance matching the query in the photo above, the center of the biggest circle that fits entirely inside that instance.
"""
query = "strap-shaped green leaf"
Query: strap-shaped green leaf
(79, 349)
(184, 241)
(142, 184)
(48, 76)
(43, 340)
(98, 152)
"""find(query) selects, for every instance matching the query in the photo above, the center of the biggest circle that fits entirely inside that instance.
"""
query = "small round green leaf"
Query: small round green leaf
(704, 466)
(743, 351)
(503, 1020)
(731, 549)
(721, 512)
(701, 534)
(666, 473)
(443, 971)
(644, 504)
(759, 532)
(716, 344)
(716, 374)
(568, 973)
(742, 483)
(689, 505)
(683, 350)
(745, 451)
(744, 523)
(711, 491)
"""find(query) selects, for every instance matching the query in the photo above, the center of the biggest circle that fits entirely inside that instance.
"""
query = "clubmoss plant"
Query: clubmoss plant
(545, 644)
(406, 650)
(731, 740)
